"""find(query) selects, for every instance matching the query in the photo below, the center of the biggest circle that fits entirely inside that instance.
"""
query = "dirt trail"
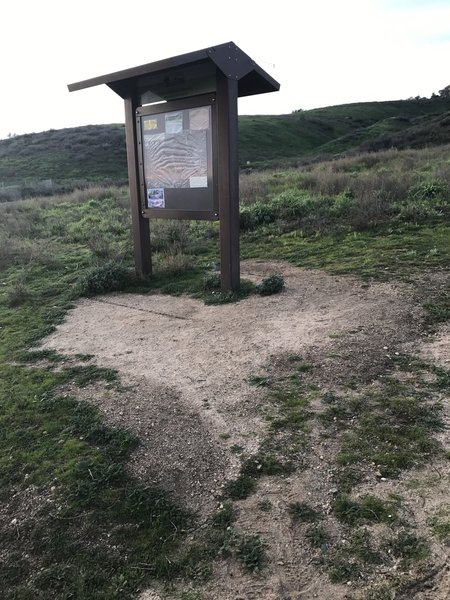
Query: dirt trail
(187, 365)
(186, 368)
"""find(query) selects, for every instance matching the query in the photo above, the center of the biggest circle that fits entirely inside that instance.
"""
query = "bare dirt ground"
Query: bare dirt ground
(186, 369)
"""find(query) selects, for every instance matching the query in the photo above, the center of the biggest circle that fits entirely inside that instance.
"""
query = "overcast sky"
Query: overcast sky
(323, 52)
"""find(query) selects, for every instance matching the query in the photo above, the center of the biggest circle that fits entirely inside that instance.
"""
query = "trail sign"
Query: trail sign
(182, 142)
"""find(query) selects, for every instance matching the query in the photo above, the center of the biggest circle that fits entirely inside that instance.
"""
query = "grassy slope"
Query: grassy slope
(328, 130)
(97, 153)
(94, 153)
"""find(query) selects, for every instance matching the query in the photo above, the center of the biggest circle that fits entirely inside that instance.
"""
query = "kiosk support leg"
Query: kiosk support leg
(228, 184)
(141, 228)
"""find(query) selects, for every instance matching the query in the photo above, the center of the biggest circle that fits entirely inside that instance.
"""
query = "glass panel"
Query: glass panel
(177, 153)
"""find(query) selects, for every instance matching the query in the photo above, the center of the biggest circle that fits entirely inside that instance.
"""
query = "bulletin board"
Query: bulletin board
(176, 147)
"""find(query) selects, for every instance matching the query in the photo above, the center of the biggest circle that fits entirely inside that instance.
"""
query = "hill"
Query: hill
(39, 163)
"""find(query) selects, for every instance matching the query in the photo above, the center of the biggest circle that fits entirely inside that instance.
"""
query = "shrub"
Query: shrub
(270, 285)
(251, 552)
(259, 213)
(301, 512)
(211, 282)
(428, 190)
(174, 262)
(101, 279)
(18, 294)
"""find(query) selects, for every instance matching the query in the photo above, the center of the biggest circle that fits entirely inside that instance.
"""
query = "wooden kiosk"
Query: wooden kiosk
(182, 143)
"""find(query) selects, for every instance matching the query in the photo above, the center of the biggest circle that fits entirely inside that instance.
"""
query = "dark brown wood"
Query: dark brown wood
(186, 215)
(228, 181)
(228, 58)
(141, 228)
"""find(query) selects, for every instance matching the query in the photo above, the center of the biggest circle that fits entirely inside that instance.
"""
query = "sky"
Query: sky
(322, 52)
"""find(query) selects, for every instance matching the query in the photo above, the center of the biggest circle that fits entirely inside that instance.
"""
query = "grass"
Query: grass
(301, 512)
(74, 521)
(251, 553)
(61, 160)
(372, 439)
(440, 523)
(58, 448)
(369, 509)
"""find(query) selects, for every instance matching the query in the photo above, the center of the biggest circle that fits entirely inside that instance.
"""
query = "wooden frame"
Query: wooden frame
(209, 194)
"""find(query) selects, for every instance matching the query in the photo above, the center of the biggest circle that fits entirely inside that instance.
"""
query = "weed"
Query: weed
(381, 592)
(264, 505)
(225, 517)
(18, 293)
(108, 277)
(438, 310)
(318, 537)
(270, 285)
(353, 558)
(218, 297)
(32, 356)
(191, 595)
(240, 488)
(266, 463)
(408, 547)
(173, 263)
(440, 524)
(85, 375)
(301, 512)
(368, 509)
(211, 282)
(259, 380)
(251, 552)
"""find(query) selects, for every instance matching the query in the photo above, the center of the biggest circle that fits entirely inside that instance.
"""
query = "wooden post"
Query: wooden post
(228, 180)
(141, 228)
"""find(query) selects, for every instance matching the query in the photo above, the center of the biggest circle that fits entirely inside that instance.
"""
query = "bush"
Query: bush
(270, 285)
(174, 262)
(428, 190)
(211, 282)
(101, 279)
(251, 552)
(259, 213)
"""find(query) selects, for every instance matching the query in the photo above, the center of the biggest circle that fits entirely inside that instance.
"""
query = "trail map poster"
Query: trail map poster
(177, 155)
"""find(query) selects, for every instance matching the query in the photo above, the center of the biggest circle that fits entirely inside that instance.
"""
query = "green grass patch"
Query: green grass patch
(391, 427)
(301, 512)
(251, 552)
(440, 523)
(408, 547)
(49, 440)
(354, 560)
(381, 255)
(368, 509)
(240, 488)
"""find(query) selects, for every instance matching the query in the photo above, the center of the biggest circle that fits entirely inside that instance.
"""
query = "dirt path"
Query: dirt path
(187, 367)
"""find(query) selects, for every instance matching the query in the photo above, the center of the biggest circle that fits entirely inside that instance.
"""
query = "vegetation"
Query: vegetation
(58, 161)
(74, 521)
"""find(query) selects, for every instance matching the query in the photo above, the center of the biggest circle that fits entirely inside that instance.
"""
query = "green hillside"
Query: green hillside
(39, 163)
(92, 153)
(335, 129)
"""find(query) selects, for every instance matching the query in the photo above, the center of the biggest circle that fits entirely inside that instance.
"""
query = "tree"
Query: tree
(445, 92)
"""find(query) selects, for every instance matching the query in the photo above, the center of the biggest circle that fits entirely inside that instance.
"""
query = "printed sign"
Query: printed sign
(177, 163)
(155, 198)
